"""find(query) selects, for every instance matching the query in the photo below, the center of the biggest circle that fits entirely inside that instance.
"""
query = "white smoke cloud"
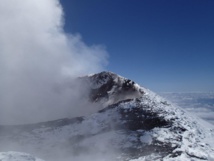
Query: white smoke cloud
(35, 56)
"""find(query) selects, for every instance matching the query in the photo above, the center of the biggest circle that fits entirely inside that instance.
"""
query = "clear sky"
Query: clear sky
(164, 45)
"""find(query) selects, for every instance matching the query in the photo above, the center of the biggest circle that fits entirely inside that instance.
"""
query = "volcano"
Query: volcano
(132, 124)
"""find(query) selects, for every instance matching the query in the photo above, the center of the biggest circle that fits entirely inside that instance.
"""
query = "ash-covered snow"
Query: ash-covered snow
(134, 124)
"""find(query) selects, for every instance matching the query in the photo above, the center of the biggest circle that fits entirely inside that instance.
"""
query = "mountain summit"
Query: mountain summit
(133, 124)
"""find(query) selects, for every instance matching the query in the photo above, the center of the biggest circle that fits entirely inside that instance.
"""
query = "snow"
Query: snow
(146, 138)
(197, 139)
(198, 103)
(187, 134)
(17, 156)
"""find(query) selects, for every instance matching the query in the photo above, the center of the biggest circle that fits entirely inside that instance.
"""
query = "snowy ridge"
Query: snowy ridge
(108, 88)
(135, 124)
(196, 139)
(198, 103)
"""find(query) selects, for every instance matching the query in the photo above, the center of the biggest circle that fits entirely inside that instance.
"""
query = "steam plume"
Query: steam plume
(35, 56)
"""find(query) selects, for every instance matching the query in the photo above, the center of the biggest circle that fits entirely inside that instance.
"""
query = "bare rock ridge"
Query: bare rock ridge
(134, 124)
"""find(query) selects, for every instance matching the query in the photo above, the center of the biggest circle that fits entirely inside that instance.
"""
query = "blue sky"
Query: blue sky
(164, 45)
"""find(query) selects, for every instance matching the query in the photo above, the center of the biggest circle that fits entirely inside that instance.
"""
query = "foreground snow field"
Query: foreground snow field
(133, 124)
(17, 156)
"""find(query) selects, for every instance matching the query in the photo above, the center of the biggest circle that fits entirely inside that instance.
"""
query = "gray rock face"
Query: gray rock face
(134, 124)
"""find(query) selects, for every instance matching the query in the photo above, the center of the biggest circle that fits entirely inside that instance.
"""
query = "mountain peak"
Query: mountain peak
(134, 124)
(111, 88)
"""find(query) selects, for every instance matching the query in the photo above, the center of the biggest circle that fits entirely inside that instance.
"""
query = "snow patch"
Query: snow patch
(17, 156)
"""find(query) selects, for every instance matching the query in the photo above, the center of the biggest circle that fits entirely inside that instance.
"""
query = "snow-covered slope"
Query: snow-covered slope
(133, 124)
(198, 103)
(16, 156)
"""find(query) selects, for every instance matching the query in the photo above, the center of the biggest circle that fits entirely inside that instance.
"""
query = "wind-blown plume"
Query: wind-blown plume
(36, 56)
